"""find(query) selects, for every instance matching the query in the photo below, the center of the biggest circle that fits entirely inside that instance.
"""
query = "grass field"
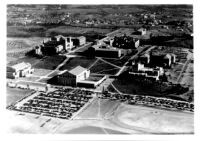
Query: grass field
(50, 62)
(41, 72)
(73, 62)
(15, 94)
(54, 73)
(44, 80)
(118, 62)
(26, 59)
(103, 68)
(31, 78)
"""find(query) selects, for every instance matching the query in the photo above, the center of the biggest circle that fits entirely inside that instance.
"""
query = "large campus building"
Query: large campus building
(125, 42)
(161, 60)
(107, 51)
(59, 43)
(72, 77)
(78, 76)
(152, 73)
(19, 70)
(150, 65)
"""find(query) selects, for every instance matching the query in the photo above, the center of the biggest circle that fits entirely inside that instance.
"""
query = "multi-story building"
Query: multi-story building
(19, 70)
(125, 42)
(79, 41)
(59, 43)
(107, 51)
(161, 60)
(140, 70)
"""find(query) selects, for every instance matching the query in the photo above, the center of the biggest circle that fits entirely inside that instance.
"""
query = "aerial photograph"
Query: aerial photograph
(100, 69)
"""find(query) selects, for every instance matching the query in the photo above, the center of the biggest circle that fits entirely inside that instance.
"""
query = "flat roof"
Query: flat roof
(77, 70)
(21, 66)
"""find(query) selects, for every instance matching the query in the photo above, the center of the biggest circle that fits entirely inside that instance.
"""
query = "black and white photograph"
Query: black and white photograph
(100, 69)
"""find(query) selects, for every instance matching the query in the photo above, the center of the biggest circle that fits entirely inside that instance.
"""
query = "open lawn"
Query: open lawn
(94, 78)
(15, 94)
(54, 73)
(31, 60)
(119, 62)
(31, 78)
(73, 62)
(103, 68)
(41, 72)
(50, 62)
(44, 80)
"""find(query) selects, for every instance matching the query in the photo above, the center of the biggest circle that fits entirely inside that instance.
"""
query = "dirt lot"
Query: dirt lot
(105, 106)
(154, 120)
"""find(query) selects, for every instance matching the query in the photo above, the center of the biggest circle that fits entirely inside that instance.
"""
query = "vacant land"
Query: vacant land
(15, 94)
(18, 47)
(154, 120)
(74, 62)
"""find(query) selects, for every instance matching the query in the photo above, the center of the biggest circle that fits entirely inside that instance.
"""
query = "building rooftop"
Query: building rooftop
(81, 37)
(77, 70)
(105, 47)
(21, 66)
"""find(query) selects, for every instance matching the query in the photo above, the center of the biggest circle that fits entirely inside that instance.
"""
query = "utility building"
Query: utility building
(19, 70)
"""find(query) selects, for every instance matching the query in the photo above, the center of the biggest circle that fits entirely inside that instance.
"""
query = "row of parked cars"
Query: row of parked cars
(150, 101)
(61, 103)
